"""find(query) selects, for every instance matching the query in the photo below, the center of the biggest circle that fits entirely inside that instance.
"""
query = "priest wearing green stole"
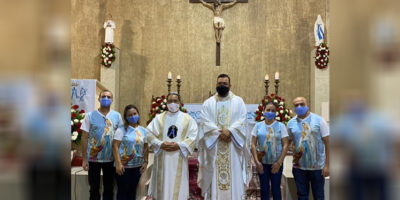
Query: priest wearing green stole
(172, 136)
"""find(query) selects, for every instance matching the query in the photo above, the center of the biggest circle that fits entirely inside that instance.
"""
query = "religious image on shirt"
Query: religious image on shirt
(306, 150)
(130, 148)
(99, 143)
(270, 145)
(172, 131)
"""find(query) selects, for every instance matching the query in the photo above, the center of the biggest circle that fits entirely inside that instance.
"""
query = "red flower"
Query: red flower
(82, 111)
(258, 118)
(272, 95)
(78, 125)
(269, 99)
(75, 107)
(163, 96)
(73, 115)
(154, 105)
(111, 46)
(260, 108)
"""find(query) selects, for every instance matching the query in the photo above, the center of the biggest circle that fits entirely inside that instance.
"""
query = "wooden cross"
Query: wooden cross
(217, 6)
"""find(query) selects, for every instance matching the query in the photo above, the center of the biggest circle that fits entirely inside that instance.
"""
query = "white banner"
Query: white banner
(83, 94)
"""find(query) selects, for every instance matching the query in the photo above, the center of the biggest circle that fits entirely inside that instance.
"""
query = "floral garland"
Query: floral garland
(322, 56)
(159, 105)
(77, 117)
(107, 54)
(282, 113)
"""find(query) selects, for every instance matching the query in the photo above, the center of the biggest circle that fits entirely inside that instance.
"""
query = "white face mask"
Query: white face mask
(173, 107)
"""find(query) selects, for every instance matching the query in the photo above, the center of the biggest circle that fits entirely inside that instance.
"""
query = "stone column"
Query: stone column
(109, 78)
(319, 102)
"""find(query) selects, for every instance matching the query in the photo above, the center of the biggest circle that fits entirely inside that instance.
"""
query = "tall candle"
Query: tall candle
(277, 76)
(178, 77)
(169, 76)
(266, 77)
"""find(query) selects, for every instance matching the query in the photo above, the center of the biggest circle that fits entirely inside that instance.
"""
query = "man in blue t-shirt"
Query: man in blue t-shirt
(310, 134)
(98, 129)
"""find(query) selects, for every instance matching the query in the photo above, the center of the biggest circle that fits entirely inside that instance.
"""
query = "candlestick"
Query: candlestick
(266, 81)
(178, 85)
(276, 86)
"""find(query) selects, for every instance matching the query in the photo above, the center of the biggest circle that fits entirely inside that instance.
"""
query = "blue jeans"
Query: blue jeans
(303, 178)
(275, 179)
(127, 183)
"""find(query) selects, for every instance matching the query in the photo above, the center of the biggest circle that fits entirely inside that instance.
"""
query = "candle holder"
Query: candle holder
(276, 86)
(169, 85)
(266, 87)
(178, 85)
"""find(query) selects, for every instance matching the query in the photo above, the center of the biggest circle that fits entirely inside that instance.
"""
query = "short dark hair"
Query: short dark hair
(128, 107)
(174, 93)
(105, 91)
(224, 76)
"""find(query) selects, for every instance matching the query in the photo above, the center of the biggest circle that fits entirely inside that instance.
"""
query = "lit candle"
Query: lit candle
(277, 76)
(178, 77)
(169, 76)
(266, 77)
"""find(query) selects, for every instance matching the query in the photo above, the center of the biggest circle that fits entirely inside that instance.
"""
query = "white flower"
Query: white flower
(276, 113)
(76, 121)
(163, 106)
(262, 118)
(281, 103)
(75, 133)
(83, 114)
(278, 118)
(281, 111)
(73, 138)
(109, 62)
(286, 116)
(275, 101)
(104, 51)
(81, 121)
(110, 55)
(72, 123)
(72, 110)
(153, 102)
(157, 108)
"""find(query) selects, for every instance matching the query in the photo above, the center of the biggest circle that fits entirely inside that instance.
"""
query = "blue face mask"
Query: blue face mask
(133, 120)
(301, 110)
(269, 115)
(105, 102)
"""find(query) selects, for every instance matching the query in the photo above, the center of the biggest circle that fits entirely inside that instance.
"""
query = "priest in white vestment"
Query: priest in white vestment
(223, 145)
(172, 135)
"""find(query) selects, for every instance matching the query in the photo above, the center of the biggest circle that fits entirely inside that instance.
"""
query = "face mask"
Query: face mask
(269, 115)
(105, 102)
(133, 120)
(173, 107)
(222, 90)
(301, 110)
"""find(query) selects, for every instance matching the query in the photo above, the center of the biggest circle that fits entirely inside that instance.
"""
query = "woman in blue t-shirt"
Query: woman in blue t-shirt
(269, 147)
(130, 153)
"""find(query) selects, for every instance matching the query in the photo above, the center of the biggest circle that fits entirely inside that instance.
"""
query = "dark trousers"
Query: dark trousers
(127, 183)
(275, 179)
(108, 179)
(303, 178)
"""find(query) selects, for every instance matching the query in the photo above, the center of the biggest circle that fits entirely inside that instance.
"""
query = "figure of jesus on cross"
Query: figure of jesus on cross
(217, 7)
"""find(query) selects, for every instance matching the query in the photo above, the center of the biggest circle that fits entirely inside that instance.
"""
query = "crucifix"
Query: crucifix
(217, 6)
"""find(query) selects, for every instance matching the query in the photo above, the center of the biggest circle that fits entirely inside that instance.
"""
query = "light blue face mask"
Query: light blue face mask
(105, 102)
(301, 110)
(133, 120)
(269, 115)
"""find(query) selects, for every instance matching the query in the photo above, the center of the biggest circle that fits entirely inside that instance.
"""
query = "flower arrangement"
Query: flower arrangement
(77, 117)
(322, 56)
(283, 114)
(159, 105)
(107, 54)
